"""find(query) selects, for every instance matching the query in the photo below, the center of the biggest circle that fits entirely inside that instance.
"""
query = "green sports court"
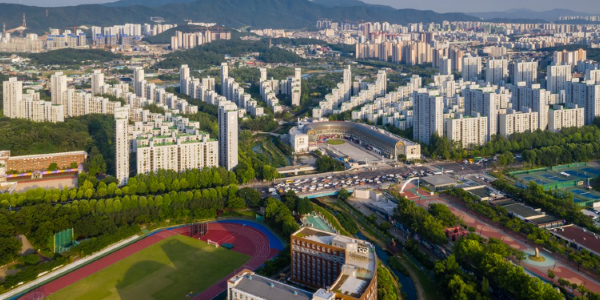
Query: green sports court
(569, 178)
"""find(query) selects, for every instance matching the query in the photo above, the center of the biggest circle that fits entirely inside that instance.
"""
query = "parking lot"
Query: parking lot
(354, 151)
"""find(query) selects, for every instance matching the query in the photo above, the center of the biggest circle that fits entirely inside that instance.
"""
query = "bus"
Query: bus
(289, 181)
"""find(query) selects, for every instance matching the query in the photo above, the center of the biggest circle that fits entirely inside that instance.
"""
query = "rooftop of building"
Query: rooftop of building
(34, 156)
(523, 210)
(439, 180)
(580, 236)
(373, 133)
(266, 288)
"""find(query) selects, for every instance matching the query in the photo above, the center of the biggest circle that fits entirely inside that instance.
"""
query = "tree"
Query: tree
(344, 194)
(304, 206)
(251, 196)
(551, 274)
(53, 167)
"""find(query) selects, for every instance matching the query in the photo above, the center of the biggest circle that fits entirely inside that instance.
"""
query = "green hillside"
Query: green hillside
(231, 13)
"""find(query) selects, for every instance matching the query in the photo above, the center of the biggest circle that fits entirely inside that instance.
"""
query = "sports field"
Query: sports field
(558, 177)
(335, 142)
(170, 269)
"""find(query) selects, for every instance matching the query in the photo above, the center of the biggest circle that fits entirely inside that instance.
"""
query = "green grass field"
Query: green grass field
(335, 142)
(169, 269)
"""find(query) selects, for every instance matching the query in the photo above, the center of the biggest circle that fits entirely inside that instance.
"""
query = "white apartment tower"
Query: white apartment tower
(97, 82)
(122, 144)
(58, 87)
(12, 97)
(540, 103)
(296, 87)
(516, 121)
(138, 81)
(525, 71)
(347, 93)
(467, 130)
(427, 116)
(496, 71)
(557, 78)
(184, 74)
(224, 76)
(471, 68)
(561, 117)
(445, 66)
(228, 135)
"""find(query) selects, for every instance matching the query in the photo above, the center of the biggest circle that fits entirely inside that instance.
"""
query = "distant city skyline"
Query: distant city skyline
(589, 6)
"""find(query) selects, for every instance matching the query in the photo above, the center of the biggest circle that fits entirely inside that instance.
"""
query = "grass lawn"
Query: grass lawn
(335, 142)
(169, 269)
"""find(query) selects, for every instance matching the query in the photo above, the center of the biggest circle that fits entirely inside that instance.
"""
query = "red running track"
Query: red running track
(246, 240)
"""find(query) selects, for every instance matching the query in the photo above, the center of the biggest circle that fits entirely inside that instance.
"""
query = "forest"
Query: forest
(214, 54)
(72, 57)
(91, 133)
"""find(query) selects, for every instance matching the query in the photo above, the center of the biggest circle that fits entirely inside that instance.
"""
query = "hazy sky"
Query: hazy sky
(591, 6)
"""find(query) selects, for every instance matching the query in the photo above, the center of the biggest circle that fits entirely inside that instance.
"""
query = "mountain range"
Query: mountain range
(548, 15)
(232, 13)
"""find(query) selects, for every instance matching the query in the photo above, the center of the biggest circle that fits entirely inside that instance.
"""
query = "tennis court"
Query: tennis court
(558, 177)
(583, 197)
(537, 181)
(591, 171)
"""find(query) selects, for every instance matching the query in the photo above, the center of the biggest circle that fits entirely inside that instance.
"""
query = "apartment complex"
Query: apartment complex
(29, 106)
(174, 144)
(183, 41)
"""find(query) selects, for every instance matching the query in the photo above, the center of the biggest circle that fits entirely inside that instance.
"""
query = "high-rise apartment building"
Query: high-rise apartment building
(496, 71)
(445, 66)
(138, 81)
(97, 82)
(561, 117)
(557, 78)
(184, 74)
(515, 122)
(467, 131)
(228, 135)
(540, 103)
(122, 144)
(12, 97)
(224, 76)
(525, 71)
(428, 116)
(471, 68)
(58, 87)
(177, 152)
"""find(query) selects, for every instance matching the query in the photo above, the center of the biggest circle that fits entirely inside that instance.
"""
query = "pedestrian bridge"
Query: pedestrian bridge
(295, 169)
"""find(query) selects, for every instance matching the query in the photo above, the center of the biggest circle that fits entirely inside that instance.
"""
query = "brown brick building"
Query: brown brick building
(40, 162)
(344, 265)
